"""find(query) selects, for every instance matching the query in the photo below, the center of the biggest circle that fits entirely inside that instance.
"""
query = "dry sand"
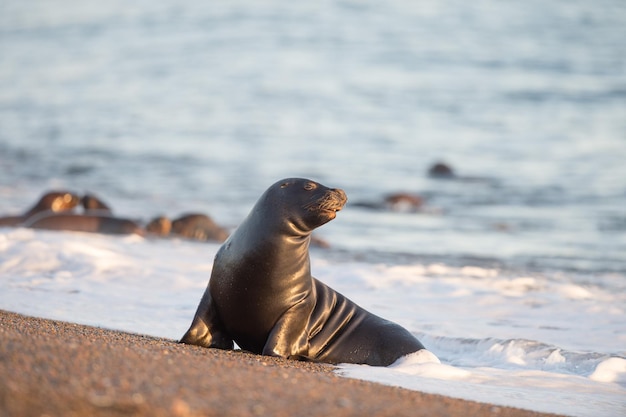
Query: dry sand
(52, 368)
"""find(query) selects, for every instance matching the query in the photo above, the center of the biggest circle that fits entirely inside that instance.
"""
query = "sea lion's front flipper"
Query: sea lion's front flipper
(289, 337)
(206, 329)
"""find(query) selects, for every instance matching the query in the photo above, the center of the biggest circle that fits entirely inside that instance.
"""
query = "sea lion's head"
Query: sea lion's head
(91, 202)
(304, 204)
(56, 201)
(160, 226)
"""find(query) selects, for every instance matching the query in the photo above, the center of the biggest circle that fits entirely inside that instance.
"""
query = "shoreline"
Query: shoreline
(55, 368)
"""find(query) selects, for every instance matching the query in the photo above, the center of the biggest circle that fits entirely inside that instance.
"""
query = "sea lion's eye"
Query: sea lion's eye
(310, 186)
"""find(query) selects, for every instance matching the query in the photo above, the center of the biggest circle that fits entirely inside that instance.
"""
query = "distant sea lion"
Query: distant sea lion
(93, 204)
(261, 293)
(193, 226)
(318, 242)
(441, 170)
(400, 202)
(404, 201)
(91, 223)
(160, 226)
(198, 227)
(53, 201)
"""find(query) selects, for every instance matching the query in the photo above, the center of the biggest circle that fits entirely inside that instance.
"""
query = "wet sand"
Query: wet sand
(55, 368)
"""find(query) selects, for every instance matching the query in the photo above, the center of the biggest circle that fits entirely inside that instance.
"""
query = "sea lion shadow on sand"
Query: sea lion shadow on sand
(261, 293)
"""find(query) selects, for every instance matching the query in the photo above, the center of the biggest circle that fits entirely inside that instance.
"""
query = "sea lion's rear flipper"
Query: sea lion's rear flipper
(206, 329)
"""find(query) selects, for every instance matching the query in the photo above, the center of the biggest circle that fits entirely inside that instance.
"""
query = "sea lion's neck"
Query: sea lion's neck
(281, 247)
(289, 254)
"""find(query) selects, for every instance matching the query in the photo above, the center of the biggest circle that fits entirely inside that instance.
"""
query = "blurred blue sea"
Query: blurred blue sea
(161, 108)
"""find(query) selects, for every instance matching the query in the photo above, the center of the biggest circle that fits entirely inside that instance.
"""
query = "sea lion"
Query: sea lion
(93, 205)
(193, 226)
(261, 293)
(198, 227)
(399, 202)
(52, 201)
(402, 202)
(441, 170)
(91, 223)
(160, 226)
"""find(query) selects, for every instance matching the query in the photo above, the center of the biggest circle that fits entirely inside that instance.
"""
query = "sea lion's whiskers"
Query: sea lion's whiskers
(329, 201)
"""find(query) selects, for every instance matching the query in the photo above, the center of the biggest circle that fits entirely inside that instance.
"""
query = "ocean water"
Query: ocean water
(513, 273)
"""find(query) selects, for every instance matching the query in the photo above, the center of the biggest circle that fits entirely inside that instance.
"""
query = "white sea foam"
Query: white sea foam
(610, 370)
(509, 340)
(530, 389)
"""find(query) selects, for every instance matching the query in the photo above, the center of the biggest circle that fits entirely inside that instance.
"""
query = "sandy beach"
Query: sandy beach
(54, 368)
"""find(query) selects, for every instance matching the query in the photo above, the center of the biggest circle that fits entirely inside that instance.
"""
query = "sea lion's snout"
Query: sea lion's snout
(331, 202)
(339, 198)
